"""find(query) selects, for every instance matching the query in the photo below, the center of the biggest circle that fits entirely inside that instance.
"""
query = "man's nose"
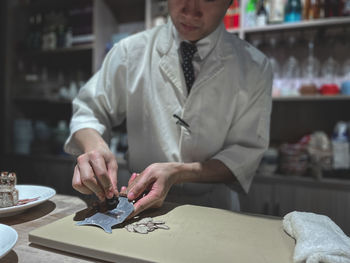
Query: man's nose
(192, 8)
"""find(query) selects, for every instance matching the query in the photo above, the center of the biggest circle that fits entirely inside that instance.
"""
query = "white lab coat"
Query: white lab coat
(228, 108)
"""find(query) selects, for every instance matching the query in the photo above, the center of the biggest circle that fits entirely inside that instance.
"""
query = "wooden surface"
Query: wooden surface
(58, 207)
(197, 234)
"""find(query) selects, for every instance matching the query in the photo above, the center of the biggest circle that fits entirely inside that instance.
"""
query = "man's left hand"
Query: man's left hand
(156, 181)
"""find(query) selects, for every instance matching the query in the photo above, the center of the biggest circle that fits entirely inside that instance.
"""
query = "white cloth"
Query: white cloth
(141, 79)
(318, 238)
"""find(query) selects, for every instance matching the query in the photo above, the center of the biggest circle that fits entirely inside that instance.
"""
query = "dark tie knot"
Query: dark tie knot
(188, 50)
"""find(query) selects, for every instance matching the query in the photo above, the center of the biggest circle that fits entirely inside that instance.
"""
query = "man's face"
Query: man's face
(195, 19)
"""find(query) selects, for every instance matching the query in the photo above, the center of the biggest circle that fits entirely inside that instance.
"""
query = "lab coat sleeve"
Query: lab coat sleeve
(101, 103)
(248, 136)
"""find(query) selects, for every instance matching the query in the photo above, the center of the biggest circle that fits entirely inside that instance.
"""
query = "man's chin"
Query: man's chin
(191, 37)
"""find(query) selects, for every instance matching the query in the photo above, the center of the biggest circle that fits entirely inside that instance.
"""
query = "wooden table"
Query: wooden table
(56, 208)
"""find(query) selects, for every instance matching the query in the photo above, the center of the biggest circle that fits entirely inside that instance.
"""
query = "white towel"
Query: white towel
(318, 238)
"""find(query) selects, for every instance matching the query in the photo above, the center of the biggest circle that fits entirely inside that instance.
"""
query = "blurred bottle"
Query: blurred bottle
(232, 17)
(291, 71)
(261, 14)
(346, 9)
(250, 14)
(333, 8)
(311, 9)
(322, 9)
(340, 144)
(310, 71)
(330, 70)
(276, 85)
(345, 86)
(293, 11)
(276, 11)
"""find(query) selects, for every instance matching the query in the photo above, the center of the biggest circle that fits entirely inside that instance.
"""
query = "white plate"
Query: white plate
(26, 192)
(8, 239)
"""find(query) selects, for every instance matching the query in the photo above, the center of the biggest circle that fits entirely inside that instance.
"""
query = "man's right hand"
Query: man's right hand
(96, 169)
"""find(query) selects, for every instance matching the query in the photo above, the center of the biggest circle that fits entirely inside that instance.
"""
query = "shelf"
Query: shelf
(73, 49)
(326, 22)
(42, 99)
(312, 97)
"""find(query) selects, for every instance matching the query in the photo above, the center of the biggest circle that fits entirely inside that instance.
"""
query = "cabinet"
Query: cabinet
(279, 195)
(295, 116)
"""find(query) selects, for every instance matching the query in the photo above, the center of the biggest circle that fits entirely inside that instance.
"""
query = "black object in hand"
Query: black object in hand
(112, 203)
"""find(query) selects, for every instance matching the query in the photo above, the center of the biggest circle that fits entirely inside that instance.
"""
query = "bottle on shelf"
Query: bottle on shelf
(322, 9)
(333, 8)
(330, 72)
(232, 17)
(261, 14)
(340, 144)
(293, 11)
(250, 14)
(311, 9)
(290, 72)
(310, 72)
(276, 11)
(346, 9)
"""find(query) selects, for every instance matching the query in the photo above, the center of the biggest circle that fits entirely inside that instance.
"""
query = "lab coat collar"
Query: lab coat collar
(165, 39)
(170, 63)
(204, 45)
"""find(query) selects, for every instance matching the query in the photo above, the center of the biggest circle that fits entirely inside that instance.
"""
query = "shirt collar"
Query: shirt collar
(204, 46)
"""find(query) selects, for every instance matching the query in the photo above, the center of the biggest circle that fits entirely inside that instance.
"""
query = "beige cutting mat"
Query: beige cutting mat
(197, 234)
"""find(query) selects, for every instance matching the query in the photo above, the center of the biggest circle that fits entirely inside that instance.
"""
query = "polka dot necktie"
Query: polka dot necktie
(187, 51)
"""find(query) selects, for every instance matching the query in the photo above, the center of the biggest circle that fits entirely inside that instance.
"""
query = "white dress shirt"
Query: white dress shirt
(228, 108)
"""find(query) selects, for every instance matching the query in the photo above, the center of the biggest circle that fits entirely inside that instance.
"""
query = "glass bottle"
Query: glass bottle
(311, 9)
(333, 8)
(310, 71)
(261, 14)
(346, 10)
(293, 11)
(250, 14)
(291, 71)
(232, 16)
(276, 14)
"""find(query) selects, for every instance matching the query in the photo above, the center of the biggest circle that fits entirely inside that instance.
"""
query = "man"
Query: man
(210, 127)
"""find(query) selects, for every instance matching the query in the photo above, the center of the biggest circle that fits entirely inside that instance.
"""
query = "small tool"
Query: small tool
(112, 217)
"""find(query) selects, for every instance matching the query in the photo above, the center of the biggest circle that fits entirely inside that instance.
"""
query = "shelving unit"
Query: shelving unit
(20, 102)
(312, 98)
(317, 23)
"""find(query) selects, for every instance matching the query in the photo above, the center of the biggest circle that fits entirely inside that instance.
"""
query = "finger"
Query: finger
(138, 186)
(112, 170)
(145, 203)
(132, 178)
(98, 165)
(77, 183)
(123, 191)
(89, 180)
